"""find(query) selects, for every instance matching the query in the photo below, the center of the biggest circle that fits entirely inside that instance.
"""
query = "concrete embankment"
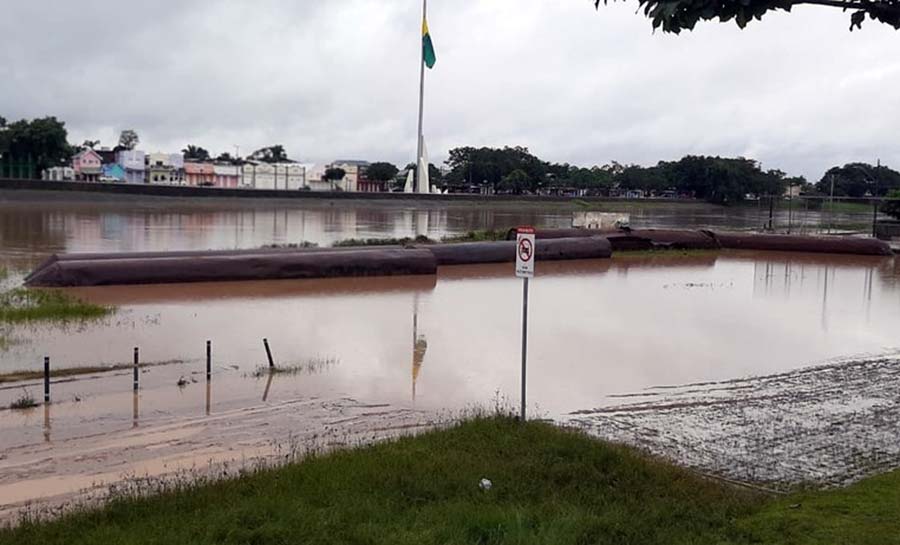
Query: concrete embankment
(646, 239)
(204, 193)
(274, 264)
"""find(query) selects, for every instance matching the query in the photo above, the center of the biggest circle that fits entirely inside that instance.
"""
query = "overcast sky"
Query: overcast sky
(339, 79)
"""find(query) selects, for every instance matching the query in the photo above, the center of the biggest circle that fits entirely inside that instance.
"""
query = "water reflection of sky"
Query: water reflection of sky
(597, 328)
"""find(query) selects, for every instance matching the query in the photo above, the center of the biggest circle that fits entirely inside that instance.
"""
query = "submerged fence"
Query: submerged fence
(824, 215)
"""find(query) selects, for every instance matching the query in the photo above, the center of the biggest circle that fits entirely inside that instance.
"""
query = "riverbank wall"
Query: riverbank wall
(182, 192)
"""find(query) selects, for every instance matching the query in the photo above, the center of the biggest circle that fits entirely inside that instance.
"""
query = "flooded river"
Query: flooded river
(377, 356)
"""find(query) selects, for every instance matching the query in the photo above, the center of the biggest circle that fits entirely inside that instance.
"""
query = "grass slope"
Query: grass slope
(549, 486)
(27, 305)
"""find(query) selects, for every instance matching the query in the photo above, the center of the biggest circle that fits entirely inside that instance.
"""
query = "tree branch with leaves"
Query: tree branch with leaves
(676, 15)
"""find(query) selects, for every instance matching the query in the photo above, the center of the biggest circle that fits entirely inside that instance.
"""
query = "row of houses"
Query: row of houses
(138, 167)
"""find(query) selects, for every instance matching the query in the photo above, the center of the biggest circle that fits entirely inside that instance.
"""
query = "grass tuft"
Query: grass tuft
(27, 305)
(23, 402)
(313, 366)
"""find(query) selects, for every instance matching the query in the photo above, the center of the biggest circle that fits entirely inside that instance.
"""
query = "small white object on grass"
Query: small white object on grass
(485, 484)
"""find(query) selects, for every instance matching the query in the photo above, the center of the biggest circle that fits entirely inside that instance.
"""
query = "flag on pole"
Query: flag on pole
(427, 47)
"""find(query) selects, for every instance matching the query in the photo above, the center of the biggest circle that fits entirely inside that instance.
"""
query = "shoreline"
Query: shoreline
(204, 193)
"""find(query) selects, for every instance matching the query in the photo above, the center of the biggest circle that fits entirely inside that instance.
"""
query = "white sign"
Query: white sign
(525, 250)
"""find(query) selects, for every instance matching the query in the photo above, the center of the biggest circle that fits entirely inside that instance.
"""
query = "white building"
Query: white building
(259, 175)
(134, 163)
(58, 174)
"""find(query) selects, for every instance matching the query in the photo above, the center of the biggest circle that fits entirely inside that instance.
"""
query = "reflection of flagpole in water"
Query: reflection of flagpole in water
(870, 278)
(420, 345)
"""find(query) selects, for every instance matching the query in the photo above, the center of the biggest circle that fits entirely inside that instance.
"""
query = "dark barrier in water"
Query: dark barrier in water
(249, 265)
(102, 256)
(71, 270)
(635, 239)
(790, 243)
(645, 239)
(471, 253)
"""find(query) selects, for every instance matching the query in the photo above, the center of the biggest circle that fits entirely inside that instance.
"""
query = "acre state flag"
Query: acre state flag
(427, 47)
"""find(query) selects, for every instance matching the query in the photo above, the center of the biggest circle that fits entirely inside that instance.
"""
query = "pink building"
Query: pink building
(88, 165)
(227, 175)
(199, 173)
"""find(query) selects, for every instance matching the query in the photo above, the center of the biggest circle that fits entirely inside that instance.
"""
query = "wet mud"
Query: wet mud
(827, 425)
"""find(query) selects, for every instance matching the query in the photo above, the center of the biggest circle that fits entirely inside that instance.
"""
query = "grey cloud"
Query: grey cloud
(338, 78)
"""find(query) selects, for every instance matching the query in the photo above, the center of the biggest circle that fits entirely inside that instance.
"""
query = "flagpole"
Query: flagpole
(421, 98)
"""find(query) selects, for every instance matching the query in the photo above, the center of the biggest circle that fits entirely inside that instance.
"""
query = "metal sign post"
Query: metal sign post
(525, 250)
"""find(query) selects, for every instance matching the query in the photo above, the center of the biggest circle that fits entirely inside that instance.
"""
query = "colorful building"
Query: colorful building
(226, 175)
(87, 165)
(199, 174)
(165, 168)
(113, 172)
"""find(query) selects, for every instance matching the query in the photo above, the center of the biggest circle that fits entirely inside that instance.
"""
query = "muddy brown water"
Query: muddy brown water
(375, 357)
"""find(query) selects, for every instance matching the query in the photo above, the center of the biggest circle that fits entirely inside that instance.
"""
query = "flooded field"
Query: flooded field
(612, 343)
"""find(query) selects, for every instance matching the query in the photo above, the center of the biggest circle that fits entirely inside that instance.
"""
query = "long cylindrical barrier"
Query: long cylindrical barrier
(792, 243)
(253, 265)
(503, 251)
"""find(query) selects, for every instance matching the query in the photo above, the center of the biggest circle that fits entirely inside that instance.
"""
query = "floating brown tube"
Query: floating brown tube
(794, 243)
(678, 239)
(503, 251)
(247, 265)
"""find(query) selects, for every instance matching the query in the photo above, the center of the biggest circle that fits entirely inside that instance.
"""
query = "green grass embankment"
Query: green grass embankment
(549, 486)
(20, 305)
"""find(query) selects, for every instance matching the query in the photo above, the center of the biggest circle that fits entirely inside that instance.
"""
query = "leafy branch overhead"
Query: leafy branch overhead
(677, 15)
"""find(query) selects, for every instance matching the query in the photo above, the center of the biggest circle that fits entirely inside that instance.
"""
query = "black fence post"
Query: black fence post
(136, 365)
(208, 360)
(269, 354)
(46, 379)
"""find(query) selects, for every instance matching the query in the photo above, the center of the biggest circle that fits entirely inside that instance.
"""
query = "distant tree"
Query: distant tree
(488, 166)
(226, 158)
(892, 207)
(381, 172)
(334, 174)
(859, 180)
(2, 122)
(517, 181)
(42, 142)
(128, 139)
(677, 15)
(195, 153)
(90, 144)
(271, 154)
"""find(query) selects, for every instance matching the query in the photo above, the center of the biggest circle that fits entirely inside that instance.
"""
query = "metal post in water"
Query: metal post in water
(136, 366)
(46, 379)
(208, 360)
(524, 341)
(269, 354)
(875, 203)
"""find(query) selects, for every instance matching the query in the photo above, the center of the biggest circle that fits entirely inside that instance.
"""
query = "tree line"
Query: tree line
(722, 180)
